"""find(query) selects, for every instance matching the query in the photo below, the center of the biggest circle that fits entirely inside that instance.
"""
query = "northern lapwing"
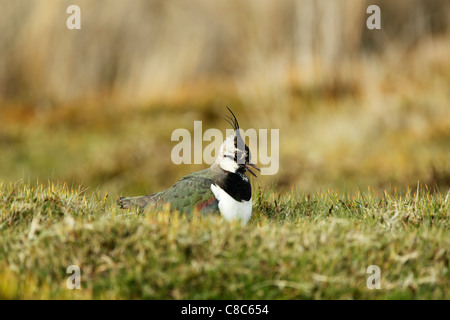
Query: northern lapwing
(223, 188)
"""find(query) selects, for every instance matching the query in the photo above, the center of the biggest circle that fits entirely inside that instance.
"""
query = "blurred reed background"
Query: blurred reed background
(97, 106)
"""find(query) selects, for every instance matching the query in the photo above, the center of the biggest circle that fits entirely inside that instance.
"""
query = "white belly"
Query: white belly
(230, 208)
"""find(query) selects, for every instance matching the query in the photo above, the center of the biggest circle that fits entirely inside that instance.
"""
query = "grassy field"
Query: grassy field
(364, 151)
(296, 246)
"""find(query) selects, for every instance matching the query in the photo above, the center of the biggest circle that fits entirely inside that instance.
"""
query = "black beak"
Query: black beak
(253, 166)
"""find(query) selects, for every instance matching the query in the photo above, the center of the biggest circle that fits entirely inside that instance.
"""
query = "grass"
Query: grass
(296, 246)
(355, 108)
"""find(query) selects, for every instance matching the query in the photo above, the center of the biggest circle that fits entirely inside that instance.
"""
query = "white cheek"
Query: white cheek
(228, 164)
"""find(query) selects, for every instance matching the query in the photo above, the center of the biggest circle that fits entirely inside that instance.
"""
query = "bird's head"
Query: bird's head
(234, 155)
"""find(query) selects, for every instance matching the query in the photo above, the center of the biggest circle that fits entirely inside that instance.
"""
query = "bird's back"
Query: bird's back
(190, 192)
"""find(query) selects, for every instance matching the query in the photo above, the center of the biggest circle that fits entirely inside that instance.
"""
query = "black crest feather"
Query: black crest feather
(232, 120)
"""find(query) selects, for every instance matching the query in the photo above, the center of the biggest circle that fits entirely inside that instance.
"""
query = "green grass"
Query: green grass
(355, 108)
(297, 246)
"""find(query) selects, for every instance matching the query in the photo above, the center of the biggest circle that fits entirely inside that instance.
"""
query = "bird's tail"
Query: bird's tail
(139, 202)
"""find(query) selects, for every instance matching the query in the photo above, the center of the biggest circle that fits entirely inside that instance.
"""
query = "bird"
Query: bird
(223, 188)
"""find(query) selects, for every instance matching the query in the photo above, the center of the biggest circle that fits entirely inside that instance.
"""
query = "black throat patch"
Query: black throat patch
(237, 185)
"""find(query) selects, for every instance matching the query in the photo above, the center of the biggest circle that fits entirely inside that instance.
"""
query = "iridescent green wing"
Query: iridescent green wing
(192, 191)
